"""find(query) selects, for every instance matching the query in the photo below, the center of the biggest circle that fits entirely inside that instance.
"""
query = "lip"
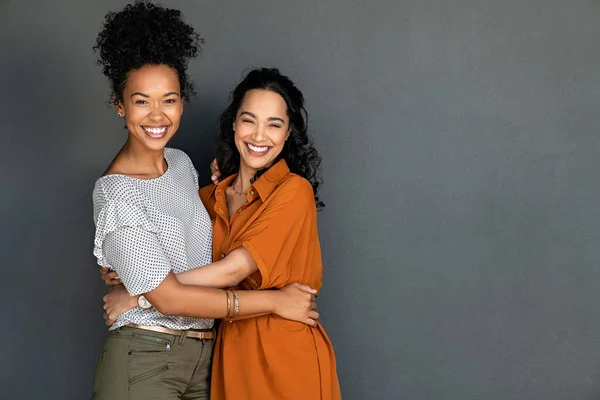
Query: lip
(156, 131)
(257, 153)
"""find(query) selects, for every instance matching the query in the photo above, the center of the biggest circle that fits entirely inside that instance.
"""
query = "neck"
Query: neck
(245, 175)
(151, 160)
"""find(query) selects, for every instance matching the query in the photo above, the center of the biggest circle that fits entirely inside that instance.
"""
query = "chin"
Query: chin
(156, 145)
(258, 164)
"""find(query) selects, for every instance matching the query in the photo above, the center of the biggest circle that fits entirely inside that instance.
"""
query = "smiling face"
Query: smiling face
(152, 106)
(261, 128)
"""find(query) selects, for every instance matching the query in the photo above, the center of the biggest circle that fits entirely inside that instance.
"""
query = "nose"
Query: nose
(260, 133)
(156, 112)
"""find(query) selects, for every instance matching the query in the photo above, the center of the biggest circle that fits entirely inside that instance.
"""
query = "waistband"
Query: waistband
(205, 334)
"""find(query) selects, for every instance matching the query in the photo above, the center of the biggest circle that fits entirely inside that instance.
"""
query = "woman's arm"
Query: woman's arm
(294, 302)
(228, 272)
(172, 297)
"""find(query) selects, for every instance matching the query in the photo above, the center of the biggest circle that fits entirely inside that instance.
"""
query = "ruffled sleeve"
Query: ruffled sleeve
(116, 214)
(126, 240)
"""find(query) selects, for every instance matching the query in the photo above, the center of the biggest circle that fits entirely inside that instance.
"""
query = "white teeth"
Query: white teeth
(258, 149)
(156, 131)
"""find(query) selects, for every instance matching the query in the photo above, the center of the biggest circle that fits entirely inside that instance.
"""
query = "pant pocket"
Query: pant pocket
(148, 374)
(149, 358)
(146, 344)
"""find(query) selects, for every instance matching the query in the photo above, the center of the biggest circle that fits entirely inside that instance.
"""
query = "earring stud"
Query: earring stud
(120, 114)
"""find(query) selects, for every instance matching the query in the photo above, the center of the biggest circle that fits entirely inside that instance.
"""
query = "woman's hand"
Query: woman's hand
(110, 277)
(296, 302)
(214, 170)
(116, 302)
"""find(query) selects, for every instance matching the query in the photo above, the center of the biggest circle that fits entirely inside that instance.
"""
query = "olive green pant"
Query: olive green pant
(138, 364)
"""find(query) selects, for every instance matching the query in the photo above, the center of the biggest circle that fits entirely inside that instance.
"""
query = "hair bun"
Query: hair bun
(145, 33)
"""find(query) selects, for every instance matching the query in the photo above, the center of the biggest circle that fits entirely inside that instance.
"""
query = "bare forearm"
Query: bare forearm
(227, 272)
(174, 298)
(214, 275)
(194, 301)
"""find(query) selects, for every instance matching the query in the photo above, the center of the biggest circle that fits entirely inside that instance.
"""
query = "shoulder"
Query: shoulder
(176, 156)
(117, 188)
(181, 164)
(296, 183)
(294, 188)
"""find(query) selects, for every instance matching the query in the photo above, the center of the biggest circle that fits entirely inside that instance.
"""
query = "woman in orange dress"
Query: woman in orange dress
(267, 205)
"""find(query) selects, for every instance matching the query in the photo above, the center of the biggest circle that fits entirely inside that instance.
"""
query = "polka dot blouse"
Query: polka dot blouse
(148, 227)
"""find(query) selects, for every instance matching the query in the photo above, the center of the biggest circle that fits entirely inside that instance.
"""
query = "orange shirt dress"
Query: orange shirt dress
(268, 357)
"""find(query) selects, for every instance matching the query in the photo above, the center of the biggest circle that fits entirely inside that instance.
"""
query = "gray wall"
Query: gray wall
(460, 145)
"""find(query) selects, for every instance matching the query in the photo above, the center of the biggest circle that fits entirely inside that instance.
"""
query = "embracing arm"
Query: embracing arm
(228, 272)
(294, 302)
(172, 297)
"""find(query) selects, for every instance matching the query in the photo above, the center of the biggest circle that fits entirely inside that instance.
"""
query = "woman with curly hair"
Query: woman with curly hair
(151, 224)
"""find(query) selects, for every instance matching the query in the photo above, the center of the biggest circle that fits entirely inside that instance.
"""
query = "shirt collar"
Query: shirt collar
(268, 181)
(221, 186)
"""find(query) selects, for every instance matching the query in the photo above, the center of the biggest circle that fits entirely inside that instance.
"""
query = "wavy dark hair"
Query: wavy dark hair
(298, 151)
(141, 34)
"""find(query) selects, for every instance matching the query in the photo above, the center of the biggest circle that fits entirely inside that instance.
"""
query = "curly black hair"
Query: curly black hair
(299, 153)
(144, 33)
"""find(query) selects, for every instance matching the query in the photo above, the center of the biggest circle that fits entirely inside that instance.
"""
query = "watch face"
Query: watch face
(143, 303)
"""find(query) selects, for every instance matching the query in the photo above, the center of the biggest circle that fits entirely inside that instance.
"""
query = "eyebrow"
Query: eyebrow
(146, 96)
(268, 119)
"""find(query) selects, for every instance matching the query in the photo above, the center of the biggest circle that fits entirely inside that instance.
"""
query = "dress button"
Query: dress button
(222, 255)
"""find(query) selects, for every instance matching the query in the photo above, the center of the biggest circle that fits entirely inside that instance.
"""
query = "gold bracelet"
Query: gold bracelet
(236, 306)
(228, 304)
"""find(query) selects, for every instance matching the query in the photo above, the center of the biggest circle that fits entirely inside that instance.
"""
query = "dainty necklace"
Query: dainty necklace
(235, 191)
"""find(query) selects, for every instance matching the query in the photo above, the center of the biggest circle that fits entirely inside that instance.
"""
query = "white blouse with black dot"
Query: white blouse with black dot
(148, 227)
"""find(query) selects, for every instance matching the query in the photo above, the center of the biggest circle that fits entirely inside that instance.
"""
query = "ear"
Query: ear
(118, 105)
(233, 125)
(288, 133)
